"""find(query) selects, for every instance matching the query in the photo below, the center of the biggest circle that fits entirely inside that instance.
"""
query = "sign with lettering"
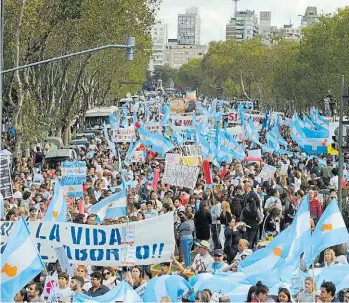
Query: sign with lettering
(137, 156)
(181, 175)
(101, 245)
(267, 172)
(74, 168)
(72, 185)
(5, 178)
(124, 134)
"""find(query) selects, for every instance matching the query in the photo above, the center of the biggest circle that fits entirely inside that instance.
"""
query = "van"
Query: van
(53, 158)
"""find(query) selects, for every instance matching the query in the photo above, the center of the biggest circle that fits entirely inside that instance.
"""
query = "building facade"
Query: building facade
(310, 17)
(189, 27)
(178, 54)
(159, 34)
(264, 22)
(244, 26)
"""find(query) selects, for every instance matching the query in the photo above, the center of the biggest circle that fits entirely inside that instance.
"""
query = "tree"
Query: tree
(164, 73)
(54, 94)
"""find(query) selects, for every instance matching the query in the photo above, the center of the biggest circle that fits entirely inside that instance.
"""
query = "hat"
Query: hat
(246, 252)
(218, 252)
(204, 244)
(314, 176)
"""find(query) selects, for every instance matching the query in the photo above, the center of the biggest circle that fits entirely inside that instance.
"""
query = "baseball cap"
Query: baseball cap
(218, 252)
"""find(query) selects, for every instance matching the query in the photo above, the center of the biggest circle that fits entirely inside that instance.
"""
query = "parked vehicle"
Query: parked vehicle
(53, 158)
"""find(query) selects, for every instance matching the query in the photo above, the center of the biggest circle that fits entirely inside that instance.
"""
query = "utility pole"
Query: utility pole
(343, 146)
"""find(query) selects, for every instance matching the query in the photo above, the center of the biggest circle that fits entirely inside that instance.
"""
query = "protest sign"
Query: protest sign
(284, 170)
(137, 156)
(100, 245)
(267, 172)
(141, 289)
(37, 180)
(255, 153)
(76, 168)
(64, 261)
(186, 122)
(5, 178)
(180, 105)
(152, 127)
(173, 158)
(181, 175)
(124, 134)
(72, 186)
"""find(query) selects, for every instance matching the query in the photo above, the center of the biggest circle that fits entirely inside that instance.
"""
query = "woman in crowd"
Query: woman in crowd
(202, 221)
(186, 230)
(137, 277)
(109, 277)
(309, 292)
(284, 295)
(251, 294)
(261, 293)
(232, 238)
(329, 258)
(82, 272)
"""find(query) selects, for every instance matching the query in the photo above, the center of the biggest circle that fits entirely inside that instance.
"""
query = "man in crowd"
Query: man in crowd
(34, 292)
(97, 289)
(76, 285)
(328, 292)
(203, 259)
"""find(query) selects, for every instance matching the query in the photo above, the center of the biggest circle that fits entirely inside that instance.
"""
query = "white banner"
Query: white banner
(181, 175)
(173, 158)
(101, 245)
(124, 134)
(187, 121)
(137, 156)
(153, 127)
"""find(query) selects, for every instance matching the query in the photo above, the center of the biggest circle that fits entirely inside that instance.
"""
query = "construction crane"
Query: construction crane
(236, 7)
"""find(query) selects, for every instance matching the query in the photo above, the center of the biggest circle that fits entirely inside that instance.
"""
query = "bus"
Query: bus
(95, 117)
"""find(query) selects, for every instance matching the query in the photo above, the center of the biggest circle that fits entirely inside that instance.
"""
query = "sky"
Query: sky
(215, 14)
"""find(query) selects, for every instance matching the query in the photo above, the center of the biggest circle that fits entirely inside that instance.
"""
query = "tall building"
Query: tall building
(178, 54)
(310, 17)
(189, 27)
(244, 26)
(159, 34)
(264, 22)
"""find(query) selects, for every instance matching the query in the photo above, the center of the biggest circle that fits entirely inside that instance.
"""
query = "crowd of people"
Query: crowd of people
(216, 227)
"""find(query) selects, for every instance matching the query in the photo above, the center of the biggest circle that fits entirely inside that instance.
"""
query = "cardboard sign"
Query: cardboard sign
(284, 170)
(267, 172)
(181, 175)
(173, 158)
(137, 156)
(255, 153)
(124, 134)
(63, 260)
(181, 106)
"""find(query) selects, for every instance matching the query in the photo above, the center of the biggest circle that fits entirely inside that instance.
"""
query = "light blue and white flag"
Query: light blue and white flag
(338, 275)
(121, 293)
(252, 131)
(19, 263)
(158, 142)
(330, 230)
(301, 230)
(57, 210)
(173, 286)
(114, 206)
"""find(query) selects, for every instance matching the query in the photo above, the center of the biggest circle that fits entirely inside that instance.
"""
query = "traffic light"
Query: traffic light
(131, 43)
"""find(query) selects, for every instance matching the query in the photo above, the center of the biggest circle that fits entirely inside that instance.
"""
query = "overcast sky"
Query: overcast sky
(216, 13)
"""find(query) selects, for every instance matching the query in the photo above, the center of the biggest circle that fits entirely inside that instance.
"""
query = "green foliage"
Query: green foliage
(286, 74)
(164, 73)
(57, 92)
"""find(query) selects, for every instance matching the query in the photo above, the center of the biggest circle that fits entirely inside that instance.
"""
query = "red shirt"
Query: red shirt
(315, 209)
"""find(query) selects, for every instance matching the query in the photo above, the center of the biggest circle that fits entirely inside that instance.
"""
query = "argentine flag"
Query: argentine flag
(330, 230)
(157, 141)
(338, 275)
(114, 206)
(252, 132)
(301, 237)
(20, 262)
(173, 286)
(122, 293)
(57, 210)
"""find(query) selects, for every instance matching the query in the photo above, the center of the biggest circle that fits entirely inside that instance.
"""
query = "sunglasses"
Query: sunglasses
(217, 256)
(106, 273)
(347, 297)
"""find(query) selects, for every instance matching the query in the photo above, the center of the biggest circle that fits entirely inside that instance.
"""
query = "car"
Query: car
(82, 141)
(53, 158)
(81, 136)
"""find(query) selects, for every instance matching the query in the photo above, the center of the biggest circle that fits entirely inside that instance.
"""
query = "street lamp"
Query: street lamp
(129, 46)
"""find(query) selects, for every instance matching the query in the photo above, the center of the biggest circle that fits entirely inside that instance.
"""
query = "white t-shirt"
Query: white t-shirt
(334, 182)
(215, 268)
(202, 263)
(57, 294)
